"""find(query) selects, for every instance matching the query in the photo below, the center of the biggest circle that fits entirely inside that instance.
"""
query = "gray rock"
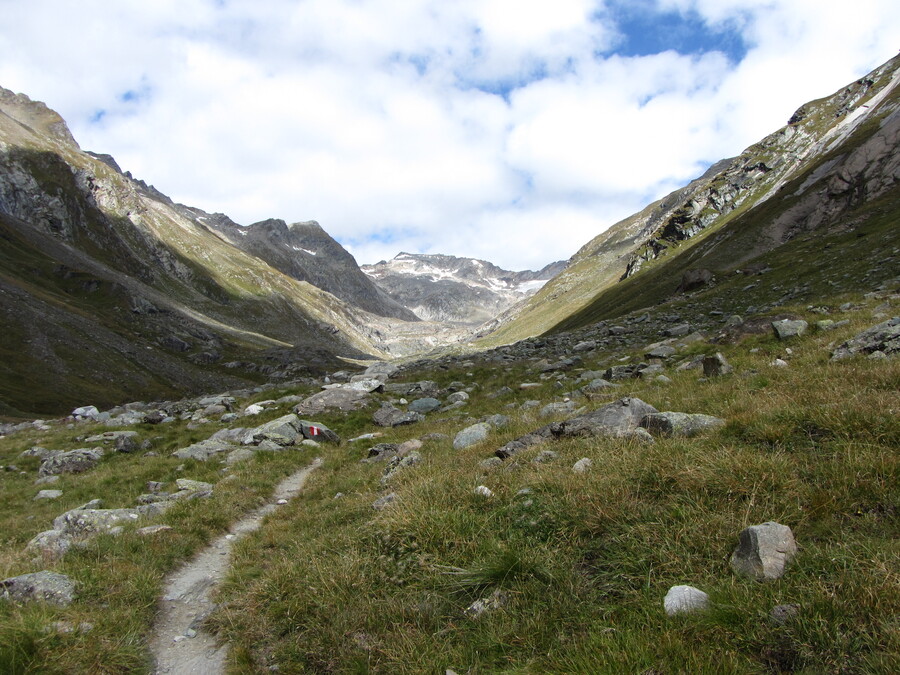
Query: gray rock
(203, 450)
(87, 412)
(238, 455)
(316, 431)
(193, 485)
(545, 456)
(660, 352)
(458, 397)
(285, 427)
(883, 337)
(764, 551)
(365, 384)
(74, 461)
(382, 451)
(680, 424)
(585, 346)
(619, 419)
(599, 385)
(128, 443)
(497, 421)
(333, 400)
(48, 494)
(559, 408)
(381, 370)
(787, 328)
(491, 463)
(389, 416)
(45, 586)
(398, 463)
(782, 614)
(39, 452)
(678, 330)
(685, 600)
(424, 405)
(583, 465)
(471, 435)
(383, 502)
(734, 321)
(716, 365)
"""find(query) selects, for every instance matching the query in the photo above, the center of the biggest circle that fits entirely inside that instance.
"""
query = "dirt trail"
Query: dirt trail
(179, 644)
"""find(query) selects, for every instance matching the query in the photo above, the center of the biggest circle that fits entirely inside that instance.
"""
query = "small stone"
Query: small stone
(545, 456)
(471, 435)
(282, 502)
(383, 502)
(495, 601)
(685, 600)
(48, 494)
(779, 363)
(583, 465)
(483, 491)
(716, 365)
(781, 614)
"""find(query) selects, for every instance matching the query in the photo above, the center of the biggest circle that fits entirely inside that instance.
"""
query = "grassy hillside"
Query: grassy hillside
(582, 561)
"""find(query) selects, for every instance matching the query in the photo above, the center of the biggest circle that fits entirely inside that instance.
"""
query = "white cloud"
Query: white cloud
(501, 129)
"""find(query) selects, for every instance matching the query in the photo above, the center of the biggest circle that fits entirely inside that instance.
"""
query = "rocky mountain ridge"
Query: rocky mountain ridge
(454, 289)
(834, 156)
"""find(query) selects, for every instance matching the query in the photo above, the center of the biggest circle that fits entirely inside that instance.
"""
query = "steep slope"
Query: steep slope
(834, 157)
(306, 252)
(459, 290)
(108, 291)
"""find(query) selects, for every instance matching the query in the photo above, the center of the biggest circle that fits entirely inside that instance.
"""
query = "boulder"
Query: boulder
(716, 365)
(558, 408)
(87, 412)
(398, 463)
(685, 600)
(203, 450)
(680, 424)
(74, 461)
(364, 384)
(788, 328)
(764, 551)
(471, 435)
(660, 352)
(458, 397)
(285, 428)
(383, 502)
(381, 370)
(333, 400)
(45, 586)
(128, 443)
(381, 451)
(48, 494)
(884, 338)
(692, 280)
(619, 419)
(316, 431)
(390, 416)
(424, 405)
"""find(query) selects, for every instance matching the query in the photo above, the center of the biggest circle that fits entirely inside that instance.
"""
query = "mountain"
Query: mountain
(802, 198)
(458, 290)
(306, 252)
(109, 290)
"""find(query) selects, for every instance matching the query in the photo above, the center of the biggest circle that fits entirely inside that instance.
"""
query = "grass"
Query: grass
(582, 560)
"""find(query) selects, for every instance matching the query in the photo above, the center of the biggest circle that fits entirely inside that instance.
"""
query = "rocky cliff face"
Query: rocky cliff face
(306, 252)
(834, 156)
(458, 290)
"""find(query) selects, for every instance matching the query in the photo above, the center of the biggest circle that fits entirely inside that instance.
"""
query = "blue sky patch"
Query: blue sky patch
(646, 30)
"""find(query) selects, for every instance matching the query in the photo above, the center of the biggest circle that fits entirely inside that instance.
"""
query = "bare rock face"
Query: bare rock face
(764, 551)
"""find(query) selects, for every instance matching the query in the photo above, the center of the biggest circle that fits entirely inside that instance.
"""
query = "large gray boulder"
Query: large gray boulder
(884, 338)
(424, 405)
(764, 551)
(390, 416)
(620, 419)
(74, 461)
(333, 400)
(471, 435)
(680, 424)
(45, 586)
(283, 431)
(786, 329)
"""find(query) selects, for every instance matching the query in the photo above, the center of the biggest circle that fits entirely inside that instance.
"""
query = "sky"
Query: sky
(509, 130)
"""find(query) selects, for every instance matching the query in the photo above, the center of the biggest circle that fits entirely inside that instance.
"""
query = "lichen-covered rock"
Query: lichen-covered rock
(203, 450)
(74, 461)
(471, 435)
(390, 416)
(786, 329)
(45, 586)
(285, 427)
(680, 424)
(333, 400)
(884, 338)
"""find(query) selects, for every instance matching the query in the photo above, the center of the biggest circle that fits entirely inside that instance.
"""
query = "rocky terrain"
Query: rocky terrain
(456, 290)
